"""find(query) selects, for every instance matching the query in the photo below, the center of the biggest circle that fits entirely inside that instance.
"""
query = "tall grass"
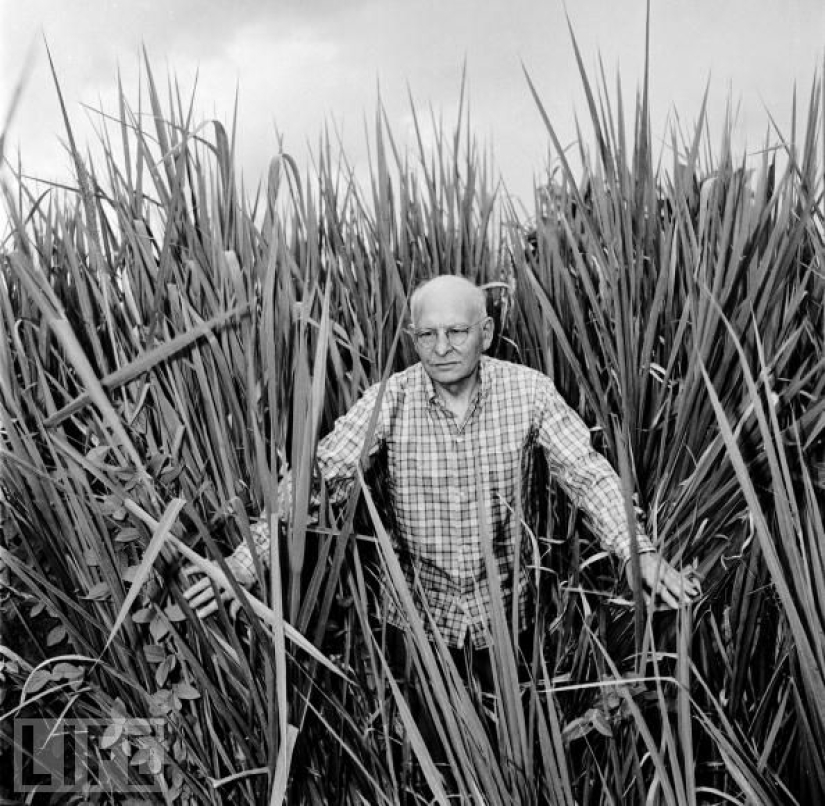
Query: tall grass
(173, 342)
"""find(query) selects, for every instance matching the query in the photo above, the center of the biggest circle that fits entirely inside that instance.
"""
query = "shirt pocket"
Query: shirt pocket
(503, 461)
(417, 477)
(503, 466)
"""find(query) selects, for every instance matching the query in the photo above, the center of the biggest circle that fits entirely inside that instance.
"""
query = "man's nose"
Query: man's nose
(442, 343)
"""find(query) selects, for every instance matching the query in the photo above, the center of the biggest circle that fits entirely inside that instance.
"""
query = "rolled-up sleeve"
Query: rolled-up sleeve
(340, 451)
(585, 474)
(338, 456)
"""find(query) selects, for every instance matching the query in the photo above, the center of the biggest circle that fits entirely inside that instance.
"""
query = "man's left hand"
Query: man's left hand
(662, 583)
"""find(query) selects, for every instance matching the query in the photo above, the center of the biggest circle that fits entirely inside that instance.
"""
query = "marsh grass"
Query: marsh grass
(172, 342)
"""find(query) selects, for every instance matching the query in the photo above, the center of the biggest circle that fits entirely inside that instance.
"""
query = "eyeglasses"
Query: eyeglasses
(426, 338)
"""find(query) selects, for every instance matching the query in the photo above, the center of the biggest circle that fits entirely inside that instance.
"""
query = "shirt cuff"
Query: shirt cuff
(242, 566)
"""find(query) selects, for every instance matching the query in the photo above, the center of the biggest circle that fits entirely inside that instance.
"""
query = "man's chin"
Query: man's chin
(444, 372)
(447, 374)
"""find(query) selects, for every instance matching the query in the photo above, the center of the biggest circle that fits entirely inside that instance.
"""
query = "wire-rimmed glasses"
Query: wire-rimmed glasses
(426, 338)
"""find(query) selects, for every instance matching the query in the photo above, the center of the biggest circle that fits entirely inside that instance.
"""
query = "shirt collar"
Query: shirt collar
(484, 382)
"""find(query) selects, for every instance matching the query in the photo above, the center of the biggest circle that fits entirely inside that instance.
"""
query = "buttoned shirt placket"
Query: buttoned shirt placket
(459, 457)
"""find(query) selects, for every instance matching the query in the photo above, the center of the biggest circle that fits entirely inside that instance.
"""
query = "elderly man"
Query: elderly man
(455, 429)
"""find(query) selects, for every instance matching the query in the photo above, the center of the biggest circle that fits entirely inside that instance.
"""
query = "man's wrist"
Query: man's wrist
(241, 567)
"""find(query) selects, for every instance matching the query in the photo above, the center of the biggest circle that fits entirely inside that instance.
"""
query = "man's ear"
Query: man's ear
(487, 330)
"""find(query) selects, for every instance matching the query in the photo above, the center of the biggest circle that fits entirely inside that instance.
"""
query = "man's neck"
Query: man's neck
(458, 396)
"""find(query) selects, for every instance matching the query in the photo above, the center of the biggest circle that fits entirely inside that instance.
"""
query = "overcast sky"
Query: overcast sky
(298, 64)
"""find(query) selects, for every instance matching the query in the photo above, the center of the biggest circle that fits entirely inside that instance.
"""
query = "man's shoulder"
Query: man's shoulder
(497, 368)
(410, 375)
(397, 384)
(405, 379)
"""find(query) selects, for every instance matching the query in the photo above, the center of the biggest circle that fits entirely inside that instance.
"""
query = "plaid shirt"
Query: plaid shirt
(434, 464)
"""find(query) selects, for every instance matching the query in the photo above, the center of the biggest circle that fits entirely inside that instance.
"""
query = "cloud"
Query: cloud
(299, 65)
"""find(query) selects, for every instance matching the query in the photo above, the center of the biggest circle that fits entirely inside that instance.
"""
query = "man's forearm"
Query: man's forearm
(241, 561)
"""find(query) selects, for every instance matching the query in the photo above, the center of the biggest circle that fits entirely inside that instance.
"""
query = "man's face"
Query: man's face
(448, 363)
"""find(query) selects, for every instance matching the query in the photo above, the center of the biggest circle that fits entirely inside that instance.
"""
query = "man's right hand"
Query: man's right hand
(201, 594)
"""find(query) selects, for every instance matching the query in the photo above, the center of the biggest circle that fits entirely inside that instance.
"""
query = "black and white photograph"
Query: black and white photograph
(412, 403)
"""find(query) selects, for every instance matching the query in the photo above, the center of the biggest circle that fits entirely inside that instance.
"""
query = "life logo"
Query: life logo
(123, 756)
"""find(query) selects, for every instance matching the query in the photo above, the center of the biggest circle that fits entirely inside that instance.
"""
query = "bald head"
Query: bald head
(449, 287)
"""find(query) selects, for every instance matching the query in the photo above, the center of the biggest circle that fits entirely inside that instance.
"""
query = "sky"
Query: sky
(297, 66)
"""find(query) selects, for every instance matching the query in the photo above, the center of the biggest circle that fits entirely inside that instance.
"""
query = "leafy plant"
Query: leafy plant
(172, 342)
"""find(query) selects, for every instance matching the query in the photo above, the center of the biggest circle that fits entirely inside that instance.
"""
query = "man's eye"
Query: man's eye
(457, 331)
(426, 334)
